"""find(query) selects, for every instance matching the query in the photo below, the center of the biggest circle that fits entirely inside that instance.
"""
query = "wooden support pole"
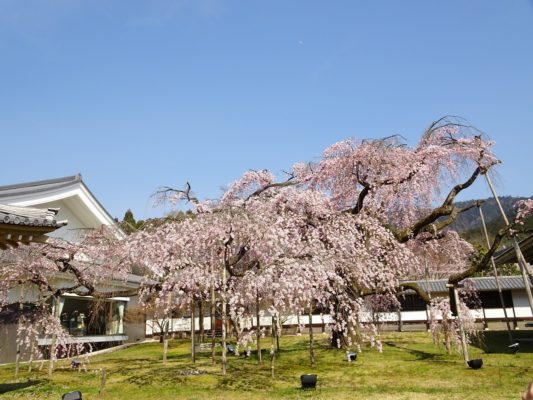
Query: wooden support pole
(213, 318)
(399, 320)
(272, 348)
(258, 327)
(201, 319)
(165, 348)
(520, 257)
(224, 324)
(311, 338)
(497, 278)
(102, 382)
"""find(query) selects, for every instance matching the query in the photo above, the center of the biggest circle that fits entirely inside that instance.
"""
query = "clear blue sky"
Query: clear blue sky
(139, 94)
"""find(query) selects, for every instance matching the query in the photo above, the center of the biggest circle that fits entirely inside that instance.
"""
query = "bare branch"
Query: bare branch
(166, 192)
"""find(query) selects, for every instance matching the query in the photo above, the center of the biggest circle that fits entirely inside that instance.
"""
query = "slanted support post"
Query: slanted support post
(497, 278)
(520, 257)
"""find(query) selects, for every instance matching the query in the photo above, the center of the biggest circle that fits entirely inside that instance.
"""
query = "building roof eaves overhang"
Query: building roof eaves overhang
(57, 189)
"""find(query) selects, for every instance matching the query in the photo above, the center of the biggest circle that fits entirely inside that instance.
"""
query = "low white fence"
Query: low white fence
(154, 326)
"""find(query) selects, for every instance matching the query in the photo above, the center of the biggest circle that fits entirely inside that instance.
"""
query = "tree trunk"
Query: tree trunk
(53, 345)
(277, 330)
(17, 363)
(165, 348)
(464, 344)
(21, 309)
(213, 323)
(193, 329)
(201, 320)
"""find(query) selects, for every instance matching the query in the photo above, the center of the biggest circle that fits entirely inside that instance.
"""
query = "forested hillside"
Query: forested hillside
(468, 224)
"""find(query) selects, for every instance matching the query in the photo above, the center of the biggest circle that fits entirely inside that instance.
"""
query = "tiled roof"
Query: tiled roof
(27, 216)
(38, 186)
(509, 256)
(482, 284)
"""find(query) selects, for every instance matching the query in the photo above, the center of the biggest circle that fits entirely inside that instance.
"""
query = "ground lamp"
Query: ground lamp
(514, 347)
(72, 396)
(308, 381)
(476, 363)
(351, 356)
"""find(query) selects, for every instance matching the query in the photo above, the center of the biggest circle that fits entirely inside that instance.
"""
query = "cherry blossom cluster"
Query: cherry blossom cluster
(445, 327)
(524, 208)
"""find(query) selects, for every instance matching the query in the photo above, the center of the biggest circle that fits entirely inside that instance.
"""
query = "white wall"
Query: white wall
(521, 304)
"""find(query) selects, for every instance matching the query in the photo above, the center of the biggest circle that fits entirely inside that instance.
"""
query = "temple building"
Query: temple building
(65, 208)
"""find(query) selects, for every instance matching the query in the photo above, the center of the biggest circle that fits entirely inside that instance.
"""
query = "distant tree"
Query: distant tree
(129, 225)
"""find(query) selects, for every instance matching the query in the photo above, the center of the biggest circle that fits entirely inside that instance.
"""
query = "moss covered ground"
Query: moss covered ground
(410, 367)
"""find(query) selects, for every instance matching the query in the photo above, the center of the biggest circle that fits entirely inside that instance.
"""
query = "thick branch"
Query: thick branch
(288, 182)
(455, 213)
(444, 210)
(402, 286)
(414, 286)
(67, 267)
(360, 200)
(476, 265)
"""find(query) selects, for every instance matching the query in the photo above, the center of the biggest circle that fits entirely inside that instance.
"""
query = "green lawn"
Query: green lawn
(410, 367)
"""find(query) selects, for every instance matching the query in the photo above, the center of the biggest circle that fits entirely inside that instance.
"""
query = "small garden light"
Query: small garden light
(514, 347)
(477, 363)
(72, 396)
(308, 381)
(351, 356)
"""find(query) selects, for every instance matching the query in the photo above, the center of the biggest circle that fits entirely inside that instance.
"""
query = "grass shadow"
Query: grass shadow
(419, 354)
(498, 341)
(9, 387)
